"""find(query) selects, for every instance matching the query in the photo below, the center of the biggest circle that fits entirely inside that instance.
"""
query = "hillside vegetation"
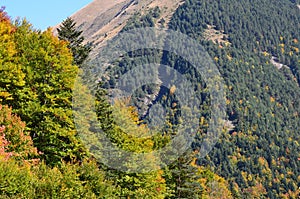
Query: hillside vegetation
(44, 153)
(259, 157)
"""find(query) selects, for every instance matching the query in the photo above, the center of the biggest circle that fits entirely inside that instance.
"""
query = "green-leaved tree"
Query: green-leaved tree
(36, 80)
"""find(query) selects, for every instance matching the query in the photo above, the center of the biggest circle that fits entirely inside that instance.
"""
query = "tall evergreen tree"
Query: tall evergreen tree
(183, 178)
(68, 32)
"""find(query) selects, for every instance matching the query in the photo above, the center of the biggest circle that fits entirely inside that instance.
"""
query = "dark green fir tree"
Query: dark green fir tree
(69, 32)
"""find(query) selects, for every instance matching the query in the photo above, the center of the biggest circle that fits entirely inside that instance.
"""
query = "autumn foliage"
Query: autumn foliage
(15, 141)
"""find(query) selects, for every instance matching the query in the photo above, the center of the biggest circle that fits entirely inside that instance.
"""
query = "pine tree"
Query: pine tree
(69, 32)
(183, 178)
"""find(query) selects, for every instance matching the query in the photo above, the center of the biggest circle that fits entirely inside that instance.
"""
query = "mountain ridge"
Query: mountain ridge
(103, 20)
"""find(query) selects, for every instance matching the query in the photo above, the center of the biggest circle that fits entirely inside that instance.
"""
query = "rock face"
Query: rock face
(103, 19)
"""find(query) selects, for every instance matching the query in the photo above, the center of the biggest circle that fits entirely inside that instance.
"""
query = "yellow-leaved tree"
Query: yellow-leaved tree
(36, 79)
(120, 123)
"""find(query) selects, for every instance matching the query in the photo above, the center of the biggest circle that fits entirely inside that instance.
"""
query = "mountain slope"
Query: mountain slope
(260, 155)
(262, 101)
(101, 20)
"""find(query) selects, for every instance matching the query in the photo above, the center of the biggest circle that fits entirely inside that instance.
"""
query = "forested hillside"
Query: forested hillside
(41, 153)
(262, 101)
(258, 57)
(51, 148)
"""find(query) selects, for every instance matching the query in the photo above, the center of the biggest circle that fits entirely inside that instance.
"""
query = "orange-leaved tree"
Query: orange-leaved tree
(14, 140)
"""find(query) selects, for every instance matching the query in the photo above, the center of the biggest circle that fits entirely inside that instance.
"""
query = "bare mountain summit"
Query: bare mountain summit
(103, 19)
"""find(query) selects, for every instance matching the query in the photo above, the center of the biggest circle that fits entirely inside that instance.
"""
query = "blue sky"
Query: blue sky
(43, 13)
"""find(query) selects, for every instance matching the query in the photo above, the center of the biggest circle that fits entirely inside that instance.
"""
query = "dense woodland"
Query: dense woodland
(261, 154)
(262, 101)
(43, 154)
